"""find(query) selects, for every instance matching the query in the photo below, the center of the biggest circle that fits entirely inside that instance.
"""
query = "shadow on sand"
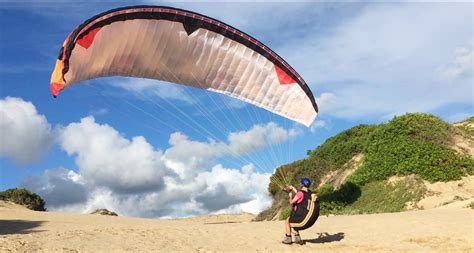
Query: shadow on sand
(325, 238)
(8, 227)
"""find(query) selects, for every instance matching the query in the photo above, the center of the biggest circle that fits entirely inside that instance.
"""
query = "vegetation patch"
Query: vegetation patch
(335, 201)
(374, 197)
(24, 197)
(384, 197)
(412, 144)
(104, 212)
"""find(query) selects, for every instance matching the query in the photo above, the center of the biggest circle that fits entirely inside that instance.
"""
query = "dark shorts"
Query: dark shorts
(297, 217)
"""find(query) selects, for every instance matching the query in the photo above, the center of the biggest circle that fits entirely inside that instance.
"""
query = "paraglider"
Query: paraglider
(185, 48)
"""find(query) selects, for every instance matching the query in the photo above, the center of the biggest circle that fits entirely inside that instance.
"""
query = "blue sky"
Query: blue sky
(124, 143)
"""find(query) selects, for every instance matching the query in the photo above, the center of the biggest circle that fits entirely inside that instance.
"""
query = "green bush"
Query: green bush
(338, 150)
(24, 197)
(325, 190)
(333, 201)
(419, 126)
(382, 196)
(373, 197)
(104, 212)
(412, 144)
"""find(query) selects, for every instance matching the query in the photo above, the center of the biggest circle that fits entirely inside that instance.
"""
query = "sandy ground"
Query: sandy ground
(447, 228)
(442, 193)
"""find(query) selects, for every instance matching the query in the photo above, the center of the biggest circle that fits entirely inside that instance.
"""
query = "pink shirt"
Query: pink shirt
(300, 197)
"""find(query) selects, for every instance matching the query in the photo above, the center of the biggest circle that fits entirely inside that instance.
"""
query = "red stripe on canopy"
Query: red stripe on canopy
(283, 77)
(87, 40)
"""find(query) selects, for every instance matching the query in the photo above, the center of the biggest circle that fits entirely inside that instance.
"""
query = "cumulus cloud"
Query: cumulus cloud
(108, 159)
(219, 198)
(132, 178)
(232, 188)
(187, 157)
(58, 187)
(463, 65)
(220, 190)
(24, 133)
(258, 136)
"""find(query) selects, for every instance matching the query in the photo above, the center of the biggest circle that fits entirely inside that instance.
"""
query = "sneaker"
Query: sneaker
(298, 240)
(287, 240)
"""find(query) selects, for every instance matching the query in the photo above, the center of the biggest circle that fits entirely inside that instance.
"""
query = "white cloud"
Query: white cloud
(259, 136)
(229, 187)
(463, 65)
(132, 178)
(58, 187)
(24, 133)
(246, 182)
(220, 190)
(108, 159)
(317, 124)
(327, 103)
(187, 157)
(99, 112)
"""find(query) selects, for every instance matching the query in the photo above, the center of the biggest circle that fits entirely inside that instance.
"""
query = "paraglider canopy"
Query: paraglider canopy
(186, 48)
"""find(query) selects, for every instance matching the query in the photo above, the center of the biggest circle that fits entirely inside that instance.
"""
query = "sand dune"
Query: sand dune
(445, 229)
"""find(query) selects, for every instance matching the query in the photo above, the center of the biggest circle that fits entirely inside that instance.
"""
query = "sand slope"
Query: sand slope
(445, 229)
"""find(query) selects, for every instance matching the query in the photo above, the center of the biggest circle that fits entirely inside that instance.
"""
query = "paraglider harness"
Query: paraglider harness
(306, 212)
